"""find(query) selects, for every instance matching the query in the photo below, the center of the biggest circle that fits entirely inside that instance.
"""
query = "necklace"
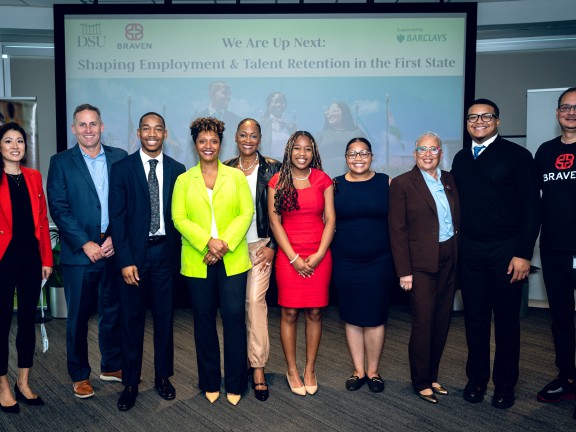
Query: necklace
(303, 178)
(250, 167)
(17, 178)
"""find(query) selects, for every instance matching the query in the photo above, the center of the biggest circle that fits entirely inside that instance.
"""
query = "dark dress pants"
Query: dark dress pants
(20, 266)
(560, 279)
(431, 300)
(85, 287)
(486, 290)
(155, 288)
(204, 296)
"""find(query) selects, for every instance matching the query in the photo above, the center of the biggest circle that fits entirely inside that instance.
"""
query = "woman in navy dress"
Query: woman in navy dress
(363, 268)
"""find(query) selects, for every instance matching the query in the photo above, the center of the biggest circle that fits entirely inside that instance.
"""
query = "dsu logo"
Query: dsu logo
(134, 31)
(564, 161)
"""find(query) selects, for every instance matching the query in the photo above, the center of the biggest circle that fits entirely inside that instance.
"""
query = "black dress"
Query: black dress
(363, 270)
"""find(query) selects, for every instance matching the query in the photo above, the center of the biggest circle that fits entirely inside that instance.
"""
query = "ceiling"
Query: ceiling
(49, 3)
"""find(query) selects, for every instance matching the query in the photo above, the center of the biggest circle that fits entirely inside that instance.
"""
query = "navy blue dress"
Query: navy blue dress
(363, 270)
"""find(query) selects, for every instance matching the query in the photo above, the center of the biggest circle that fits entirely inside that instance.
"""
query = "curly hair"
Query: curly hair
(286, 196)
(207, 124)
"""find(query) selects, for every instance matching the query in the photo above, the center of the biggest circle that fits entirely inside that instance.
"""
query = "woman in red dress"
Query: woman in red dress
(302, 217)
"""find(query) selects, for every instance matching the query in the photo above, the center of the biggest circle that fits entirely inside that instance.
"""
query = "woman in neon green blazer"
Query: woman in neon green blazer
(212, 208)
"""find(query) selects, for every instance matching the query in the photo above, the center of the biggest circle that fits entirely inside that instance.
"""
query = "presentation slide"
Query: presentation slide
(387, 77)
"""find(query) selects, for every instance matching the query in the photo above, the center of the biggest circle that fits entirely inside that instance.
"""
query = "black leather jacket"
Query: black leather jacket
(267, 168)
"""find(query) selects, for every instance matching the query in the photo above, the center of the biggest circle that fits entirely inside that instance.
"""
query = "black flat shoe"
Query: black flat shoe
(127, 398)
(14, 409)
(428, 398)
(439, 390)
(165, 388)
(20, 397)
(261, 395)
(355, 382)
(376, 384)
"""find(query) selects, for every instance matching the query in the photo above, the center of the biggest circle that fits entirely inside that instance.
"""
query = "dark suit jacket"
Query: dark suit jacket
(129, 207)
(73, 201)
(413, 221)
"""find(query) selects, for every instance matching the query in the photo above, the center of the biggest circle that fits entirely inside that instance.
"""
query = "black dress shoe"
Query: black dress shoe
(164, 388)
(503, 398)
(474, 393)
(127, 398)
(14, 409)
(20, 397)
(261, 395)
(355, 382)
(428, 398)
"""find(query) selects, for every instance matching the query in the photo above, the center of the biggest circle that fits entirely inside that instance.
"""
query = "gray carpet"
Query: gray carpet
(331, 409)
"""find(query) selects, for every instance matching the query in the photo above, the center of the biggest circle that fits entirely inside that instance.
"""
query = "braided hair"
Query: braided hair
(286, 196)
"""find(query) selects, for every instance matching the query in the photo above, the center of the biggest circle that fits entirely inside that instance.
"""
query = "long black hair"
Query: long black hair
(286, 196)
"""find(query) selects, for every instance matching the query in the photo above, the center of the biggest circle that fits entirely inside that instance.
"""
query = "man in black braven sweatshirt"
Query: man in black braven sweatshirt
(499, 198)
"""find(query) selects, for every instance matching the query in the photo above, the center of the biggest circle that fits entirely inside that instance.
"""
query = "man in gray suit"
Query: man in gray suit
(77, 189)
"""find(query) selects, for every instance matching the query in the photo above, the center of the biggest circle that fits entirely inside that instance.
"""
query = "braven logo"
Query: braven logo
(134, 31)
(91, 36)
(565, 161)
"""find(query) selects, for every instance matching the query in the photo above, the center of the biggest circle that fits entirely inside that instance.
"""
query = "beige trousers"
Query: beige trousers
(256, 308)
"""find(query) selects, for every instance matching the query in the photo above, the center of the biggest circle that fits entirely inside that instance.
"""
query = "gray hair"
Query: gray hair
(428, 135)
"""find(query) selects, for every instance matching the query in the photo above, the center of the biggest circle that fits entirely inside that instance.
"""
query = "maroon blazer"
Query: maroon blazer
(413, 222)
(39, 214)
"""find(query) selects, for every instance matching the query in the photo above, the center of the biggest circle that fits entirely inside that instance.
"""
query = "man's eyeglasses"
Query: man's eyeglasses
(566, 108)
(362, 153)
(424, 150)
(486, 117)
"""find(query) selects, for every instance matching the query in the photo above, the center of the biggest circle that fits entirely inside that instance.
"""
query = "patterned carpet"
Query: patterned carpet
(331, 409)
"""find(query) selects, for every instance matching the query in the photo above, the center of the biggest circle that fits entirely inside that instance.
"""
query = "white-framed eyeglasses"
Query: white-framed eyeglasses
(423, 150)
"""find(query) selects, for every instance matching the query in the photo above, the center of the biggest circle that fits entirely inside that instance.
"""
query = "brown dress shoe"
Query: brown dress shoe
(83, 389)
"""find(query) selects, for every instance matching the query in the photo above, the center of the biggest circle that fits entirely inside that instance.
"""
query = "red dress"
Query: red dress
(304, 228)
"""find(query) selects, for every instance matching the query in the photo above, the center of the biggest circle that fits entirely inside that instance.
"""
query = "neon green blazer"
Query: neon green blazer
(192, 216)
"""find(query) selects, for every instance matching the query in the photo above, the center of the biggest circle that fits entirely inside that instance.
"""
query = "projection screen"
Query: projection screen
(386, 72)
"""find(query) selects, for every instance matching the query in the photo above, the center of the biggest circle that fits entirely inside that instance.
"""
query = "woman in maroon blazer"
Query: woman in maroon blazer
(423, 219)
(25, 258)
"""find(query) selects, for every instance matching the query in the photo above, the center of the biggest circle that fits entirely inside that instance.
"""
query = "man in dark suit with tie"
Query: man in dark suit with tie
(148, 253)
(499, 199)
(77, 189)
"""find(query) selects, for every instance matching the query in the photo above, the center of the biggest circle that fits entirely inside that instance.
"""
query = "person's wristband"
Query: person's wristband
(295, 258)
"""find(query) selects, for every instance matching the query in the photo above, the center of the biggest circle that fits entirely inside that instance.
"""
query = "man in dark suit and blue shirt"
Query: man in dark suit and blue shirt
(77, 189)
(148, 253)
(499, 200)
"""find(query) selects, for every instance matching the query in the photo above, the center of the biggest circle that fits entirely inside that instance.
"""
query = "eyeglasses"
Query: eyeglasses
(362, 153)
(424, 150)
(566, 108)
(486, 117)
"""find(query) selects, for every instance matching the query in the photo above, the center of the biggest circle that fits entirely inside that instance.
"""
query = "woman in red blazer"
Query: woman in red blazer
(424, 216)
(25, 258)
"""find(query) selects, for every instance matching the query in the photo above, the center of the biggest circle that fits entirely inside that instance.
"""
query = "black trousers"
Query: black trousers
(156, 285)
(431, 300)
(560, 279)
(20, 267)
(487, 291)
(204, 296)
